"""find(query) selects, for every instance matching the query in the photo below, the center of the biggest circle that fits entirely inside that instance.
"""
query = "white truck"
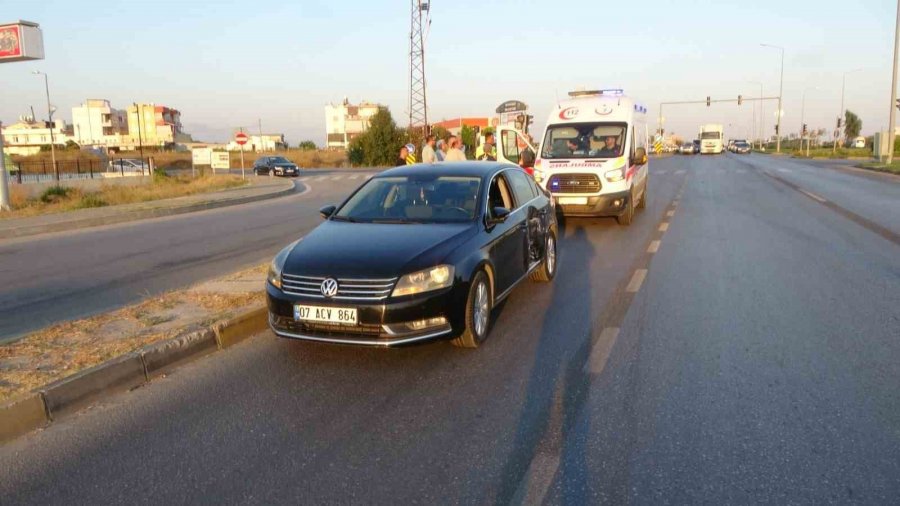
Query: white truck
(712, 139)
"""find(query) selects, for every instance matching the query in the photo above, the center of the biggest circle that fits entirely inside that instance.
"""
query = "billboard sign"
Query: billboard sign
(221, 160)
(21, 41)
(511, 106)
(201, 156)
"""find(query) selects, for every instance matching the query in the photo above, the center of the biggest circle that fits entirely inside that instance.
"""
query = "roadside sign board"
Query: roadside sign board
(511, 106)
(241, 138)
(201, 156)
(221, 160)
(21, 41)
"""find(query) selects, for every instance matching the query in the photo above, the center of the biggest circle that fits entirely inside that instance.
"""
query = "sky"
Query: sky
(231, 63)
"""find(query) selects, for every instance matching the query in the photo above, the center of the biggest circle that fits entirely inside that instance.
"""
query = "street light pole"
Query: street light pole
(50, 115)
(760, 132)
(137, 110)
(893, 114)
(843, 113)
(780, 96)
(4, 176)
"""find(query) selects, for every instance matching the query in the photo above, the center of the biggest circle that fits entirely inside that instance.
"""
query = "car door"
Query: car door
(506, 248)
(512, 144)
(533, 213)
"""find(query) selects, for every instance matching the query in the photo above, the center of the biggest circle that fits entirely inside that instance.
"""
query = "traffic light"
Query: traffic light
(708, 101)
(804, 130)
(898, 103)
(839, 123)
(740, 99)
(529, 119)
(776, 129)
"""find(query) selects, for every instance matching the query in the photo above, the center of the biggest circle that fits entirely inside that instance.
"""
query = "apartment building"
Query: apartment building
(345, 121)
(97, 123)
(26, 136)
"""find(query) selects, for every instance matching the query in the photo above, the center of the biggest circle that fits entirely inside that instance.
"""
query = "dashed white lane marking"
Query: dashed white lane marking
(654, 247)
(337, 178)
(637, 279)
(319, 178)
(782, 170)
(661, 172)
(601, 349)
(680, 172)
(670, 214)
(813, 196)
(663, 227)
(356, 176)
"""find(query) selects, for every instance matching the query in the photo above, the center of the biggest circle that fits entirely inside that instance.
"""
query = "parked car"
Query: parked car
(129, 165)
(275, 166)
(741, 147)
(686, 149)
(416, 253)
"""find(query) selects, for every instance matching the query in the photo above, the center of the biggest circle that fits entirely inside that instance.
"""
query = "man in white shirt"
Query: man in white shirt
(428, 155)
(454, 154)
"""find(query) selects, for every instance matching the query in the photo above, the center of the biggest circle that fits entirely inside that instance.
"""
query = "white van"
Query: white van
(593, 157)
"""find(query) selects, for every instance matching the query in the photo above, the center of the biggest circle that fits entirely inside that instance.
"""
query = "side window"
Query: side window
(521, 187)
(499, 194)
(510, 146)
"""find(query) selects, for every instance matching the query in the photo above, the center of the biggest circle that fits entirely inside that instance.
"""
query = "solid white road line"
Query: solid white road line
(663, 226)
(813, 196)
(601, 349)
(637, 279)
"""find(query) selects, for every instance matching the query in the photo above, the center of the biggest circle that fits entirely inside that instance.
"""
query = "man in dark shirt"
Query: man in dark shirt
(610, 148)
(401, 160)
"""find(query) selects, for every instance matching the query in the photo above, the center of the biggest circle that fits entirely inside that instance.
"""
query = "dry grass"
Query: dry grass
(110, 195)
(66, 348)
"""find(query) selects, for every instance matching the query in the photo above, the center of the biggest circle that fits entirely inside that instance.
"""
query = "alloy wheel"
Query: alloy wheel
(481, 312)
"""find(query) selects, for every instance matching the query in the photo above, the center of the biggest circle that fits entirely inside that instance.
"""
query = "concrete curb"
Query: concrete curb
(137, 215)
(73, 393)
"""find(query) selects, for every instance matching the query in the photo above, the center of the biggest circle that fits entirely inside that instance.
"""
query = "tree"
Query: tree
(852, 126)
(440, 132)
(307, 146)
(467, 135)
(72, 145)
(379, 145)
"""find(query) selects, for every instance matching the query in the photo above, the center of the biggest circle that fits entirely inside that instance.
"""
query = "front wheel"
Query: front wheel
(547, 270)
(478, 313)
(626, 217)
(643, 203)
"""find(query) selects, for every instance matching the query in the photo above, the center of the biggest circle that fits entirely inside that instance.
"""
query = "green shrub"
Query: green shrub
(54, 194)
(89, 200)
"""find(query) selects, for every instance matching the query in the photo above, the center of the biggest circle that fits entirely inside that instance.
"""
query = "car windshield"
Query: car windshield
(584, 140)
(413, 199)
(711, 135)
(279, 159)
(741, 144)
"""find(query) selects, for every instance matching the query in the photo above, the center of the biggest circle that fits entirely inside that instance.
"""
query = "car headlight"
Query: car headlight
(614, 176)
(423, 281)
(277, 265)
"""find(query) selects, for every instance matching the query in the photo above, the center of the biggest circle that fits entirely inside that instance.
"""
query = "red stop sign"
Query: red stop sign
(240, 138)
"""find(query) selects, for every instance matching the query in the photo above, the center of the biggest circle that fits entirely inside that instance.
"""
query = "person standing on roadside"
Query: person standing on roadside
(454, 154)
(441, 151)
(428, 154)
(401, 158)
(486, 151)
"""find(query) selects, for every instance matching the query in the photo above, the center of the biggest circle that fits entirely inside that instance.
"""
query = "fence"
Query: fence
(34, 171)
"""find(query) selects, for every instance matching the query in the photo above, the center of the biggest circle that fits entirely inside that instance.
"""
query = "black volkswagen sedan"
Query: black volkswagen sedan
(416, 253)
(276, 166)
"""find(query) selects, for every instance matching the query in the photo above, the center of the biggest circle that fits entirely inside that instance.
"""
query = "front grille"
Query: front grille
(574, 183)
(348, 289)
(319, 329)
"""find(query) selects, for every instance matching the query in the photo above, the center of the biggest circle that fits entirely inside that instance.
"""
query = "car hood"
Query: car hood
(285, 164)
(374, 250)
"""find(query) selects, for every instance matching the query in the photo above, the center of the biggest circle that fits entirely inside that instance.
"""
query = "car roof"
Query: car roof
(471, 169)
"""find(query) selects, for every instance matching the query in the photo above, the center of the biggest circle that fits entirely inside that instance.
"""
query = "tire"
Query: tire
(625, 218)
(476, 331)
(547, 270)
(643, 202)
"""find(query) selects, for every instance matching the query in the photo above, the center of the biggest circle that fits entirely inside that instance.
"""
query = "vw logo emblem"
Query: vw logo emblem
(329, 287)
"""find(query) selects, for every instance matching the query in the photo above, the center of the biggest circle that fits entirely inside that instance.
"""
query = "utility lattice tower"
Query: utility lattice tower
(418, 106)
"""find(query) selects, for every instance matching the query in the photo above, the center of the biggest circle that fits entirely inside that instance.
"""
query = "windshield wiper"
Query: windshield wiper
(396, 221)
(345, 218)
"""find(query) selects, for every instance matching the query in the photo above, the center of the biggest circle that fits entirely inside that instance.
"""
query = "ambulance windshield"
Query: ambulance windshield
(584, 140)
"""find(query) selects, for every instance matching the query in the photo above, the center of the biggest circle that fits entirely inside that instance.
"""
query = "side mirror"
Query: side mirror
(499, 215)
(327, 211)
(640, 156)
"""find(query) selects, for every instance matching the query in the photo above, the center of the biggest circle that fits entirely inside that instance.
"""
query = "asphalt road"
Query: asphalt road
(55, 277)
(739, 343)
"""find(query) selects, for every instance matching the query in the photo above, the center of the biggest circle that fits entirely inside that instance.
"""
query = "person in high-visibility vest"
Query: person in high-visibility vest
(487, 151)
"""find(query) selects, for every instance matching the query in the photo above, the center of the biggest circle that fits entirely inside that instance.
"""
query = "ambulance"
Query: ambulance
(593, 156)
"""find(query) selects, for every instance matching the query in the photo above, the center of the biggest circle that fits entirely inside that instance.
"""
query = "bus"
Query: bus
(711, 139)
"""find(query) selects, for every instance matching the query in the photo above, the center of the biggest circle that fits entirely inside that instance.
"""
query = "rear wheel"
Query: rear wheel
(547, 270)
(478, 313)
(626, 217)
